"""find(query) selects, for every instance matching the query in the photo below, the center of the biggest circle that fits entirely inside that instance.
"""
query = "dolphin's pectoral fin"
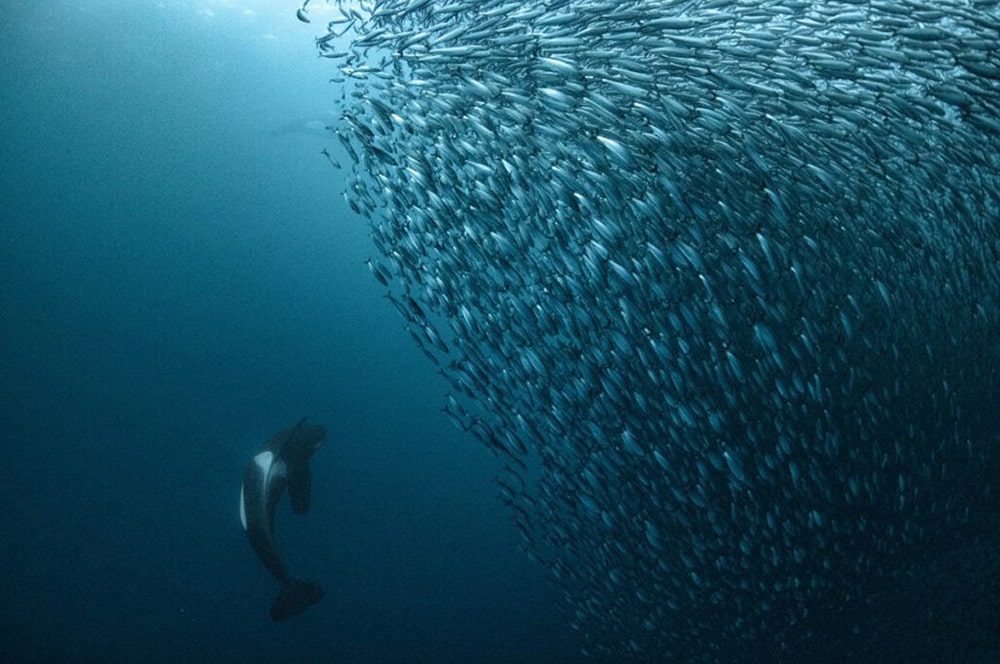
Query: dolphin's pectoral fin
(294, 598)
(299, 484)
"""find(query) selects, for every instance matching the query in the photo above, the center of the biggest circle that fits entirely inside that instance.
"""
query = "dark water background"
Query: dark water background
(179, 279)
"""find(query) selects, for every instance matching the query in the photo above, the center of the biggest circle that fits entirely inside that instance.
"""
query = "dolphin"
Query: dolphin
(319, 124)
(283, 462)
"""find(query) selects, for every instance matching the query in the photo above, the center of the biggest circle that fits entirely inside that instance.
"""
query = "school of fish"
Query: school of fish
(719, 279)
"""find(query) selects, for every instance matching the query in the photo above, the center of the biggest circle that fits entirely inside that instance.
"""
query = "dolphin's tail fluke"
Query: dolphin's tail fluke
(294, 598)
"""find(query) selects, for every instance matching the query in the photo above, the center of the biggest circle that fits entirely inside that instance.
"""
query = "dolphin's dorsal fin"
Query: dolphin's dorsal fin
(300, 445)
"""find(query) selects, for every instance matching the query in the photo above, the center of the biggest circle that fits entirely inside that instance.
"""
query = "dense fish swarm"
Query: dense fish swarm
(721, 279)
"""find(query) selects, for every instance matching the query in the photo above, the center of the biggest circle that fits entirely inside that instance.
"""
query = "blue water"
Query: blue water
(178, 281)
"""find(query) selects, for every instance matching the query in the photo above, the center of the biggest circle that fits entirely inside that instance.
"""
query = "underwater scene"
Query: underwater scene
(495, 331)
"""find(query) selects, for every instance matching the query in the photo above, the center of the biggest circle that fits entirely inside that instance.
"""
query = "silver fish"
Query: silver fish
(724, 275)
